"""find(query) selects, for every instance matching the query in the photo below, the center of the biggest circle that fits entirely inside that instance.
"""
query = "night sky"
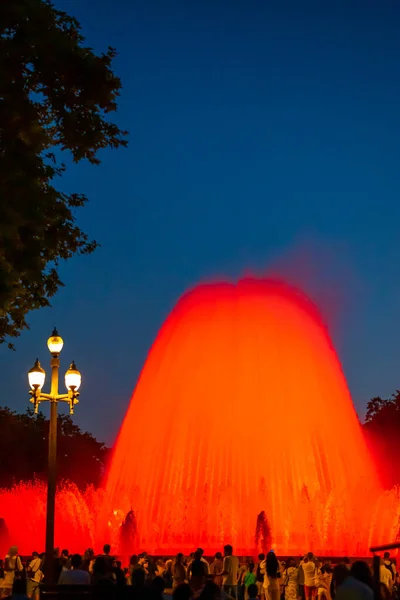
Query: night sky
(264, 136)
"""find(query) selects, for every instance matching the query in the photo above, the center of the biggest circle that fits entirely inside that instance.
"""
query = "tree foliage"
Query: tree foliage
(382, 426)
(24, 449)
(55, 96)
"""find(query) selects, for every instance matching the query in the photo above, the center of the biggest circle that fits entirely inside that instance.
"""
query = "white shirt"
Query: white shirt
(74, 577)
(309, 571)
(231, 567)
(34, 566)
(386, 577)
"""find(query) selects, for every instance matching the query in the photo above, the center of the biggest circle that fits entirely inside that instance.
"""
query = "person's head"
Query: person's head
(64, 553)
(261, 557)
(340, 572)
(13, 551)
(35, 554)
(252, 590)
(290, 562)
(118, 563)
(346, 560)
(272, 565)
(386, 556)
(197, 555)
(76, 561)
(327, 568)
(89, 553)
(218, 555)
(182, 591)
(310, 555)
(106, 549)
(158, 584)
(228, 550)
(211, 591)
(179, 558)
(201, 552)
(318, 563)
(142, 558)
(100, 566)
(361, 571)
(250, 566)
(134, 560)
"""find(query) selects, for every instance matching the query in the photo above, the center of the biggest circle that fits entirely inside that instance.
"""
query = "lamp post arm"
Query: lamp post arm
(44, 397)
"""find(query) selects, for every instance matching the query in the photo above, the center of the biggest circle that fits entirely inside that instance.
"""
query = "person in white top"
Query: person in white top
(34, 576)
(391, 567)
(76, 576)
(12, 565)
(230, 572)
(310, 574)
(386, 576)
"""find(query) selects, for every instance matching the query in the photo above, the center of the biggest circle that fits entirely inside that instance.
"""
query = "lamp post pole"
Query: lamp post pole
(52, 473)
(72, 381)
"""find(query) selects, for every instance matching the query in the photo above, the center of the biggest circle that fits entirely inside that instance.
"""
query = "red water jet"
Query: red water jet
(242, 415)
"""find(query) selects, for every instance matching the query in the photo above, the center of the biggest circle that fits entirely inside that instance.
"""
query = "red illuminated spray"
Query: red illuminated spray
(241, 430)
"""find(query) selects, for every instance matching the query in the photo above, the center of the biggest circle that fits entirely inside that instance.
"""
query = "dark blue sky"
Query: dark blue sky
(263, 134)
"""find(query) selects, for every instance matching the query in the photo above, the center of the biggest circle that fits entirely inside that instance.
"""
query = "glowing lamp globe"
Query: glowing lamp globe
(73, 378)
(36, 376)
(55, 343)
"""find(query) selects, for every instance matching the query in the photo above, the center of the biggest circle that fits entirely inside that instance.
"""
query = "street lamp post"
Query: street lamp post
(36, 378)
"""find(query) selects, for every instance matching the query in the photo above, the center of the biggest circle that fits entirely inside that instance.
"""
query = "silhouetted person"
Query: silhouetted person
(361, 571)
(340, 573)
(76, 575)
(108, 558)
(273, 574)
(119, 574)
(101, 574)
(197, 572)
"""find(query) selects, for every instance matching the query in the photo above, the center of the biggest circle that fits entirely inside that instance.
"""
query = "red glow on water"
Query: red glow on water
(242, 407)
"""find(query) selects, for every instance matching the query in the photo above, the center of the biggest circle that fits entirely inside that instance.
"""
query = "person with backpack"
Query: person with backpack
(12, 570)
(390, 564)
(34, 576)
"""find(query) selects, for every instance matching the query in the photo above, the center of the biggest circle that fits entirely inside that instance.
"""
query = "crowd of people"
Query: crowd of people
(224, 577)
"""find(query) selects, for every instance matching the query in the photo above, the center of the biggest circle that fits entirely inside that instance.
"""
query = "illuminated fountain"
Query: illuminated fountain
(241, 429)
(242, 420)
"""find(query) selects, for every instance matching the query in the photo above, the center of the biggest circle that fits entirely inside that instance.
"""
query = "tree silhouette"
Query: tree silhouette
(24, 446)
(56, 95)
(382, 427)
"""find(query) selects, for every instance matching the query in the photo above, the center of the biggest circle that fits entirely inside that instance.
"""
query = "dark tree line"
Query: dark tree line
(24, 445)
